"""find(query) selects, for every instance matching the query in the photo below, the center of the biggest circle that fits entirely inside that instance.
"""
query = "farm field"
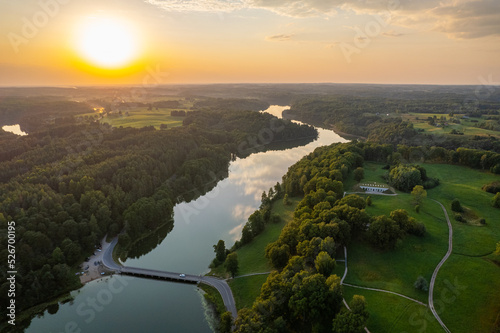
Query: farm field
(467, 126)
(141, 117)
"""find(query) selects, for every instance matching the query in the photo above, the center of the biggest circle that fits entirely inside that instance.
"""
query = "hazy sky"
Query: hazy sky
(204, 41)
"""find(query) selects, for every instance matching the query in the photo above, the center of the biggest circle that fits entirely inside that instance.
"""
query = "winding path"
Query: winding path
(252, 274)
(434, 275)
(385, 291)
(221, 285)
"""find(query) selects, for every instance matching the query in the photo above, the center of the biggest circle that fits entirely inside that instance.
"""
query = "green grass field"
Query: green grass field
(467, 126)
(397, 270)
(247, 289)
(141, 117)
(251, 257)
(473, 308)
(391, 313)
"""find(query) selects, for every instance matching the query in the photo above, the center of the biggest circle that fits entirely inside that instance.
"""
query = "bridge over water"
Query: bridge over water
(219, 284)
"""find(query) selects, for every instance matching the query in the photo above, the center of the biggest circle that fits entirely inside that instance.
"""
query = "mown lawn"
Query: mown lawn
(391, 313)
(247, 289)
(465, 184)
(397, 270)
(467, 291)
(251, 257)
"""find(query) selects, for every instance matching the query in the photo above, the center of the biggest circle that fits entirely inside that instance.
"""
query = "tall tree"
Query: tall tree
(358, 173)
(419, 194)
(220, 251)
(324, 264)
(231, 264)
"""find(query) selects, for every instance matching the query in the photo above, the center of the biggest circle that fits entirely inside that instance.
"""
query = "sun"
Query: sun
(106, 42)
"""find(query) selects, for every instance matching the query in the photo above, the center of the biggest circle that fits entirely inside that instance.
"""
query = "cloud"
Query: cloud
(199, 5)
(298, 8)
(472, 19)
(456, 18)
(279, 38)
(392, 33)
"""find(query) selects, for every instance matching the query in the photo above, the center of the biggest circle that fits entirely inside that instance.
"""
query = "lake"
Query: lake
(126, 304)
(16, 129)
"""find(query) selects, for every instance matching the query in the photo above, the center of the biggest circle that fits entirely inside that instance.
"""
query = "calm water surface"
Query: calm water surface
(154, 306)
(16, 129)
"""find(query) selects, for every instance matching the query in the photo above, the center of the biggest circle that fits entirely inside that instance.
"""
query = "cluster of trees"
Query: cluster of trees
(405, 177)
(473, 158)
(265, 128)
(71, 185)
(385, 231)
(178, 113)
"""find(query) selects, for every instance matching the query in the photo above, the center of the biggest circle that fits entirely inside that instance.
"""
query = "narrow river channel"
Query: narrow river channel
(125, 304)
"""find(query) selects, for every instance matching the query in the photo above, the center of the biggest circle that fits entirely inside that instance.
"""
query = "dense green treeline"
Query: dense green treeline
(303, 295)
(378, 119)
(66, 191)
(237, 104)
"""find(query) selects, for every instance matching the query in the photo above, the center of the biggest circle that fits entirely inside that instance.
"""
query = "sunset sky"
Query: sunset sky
(80, 42)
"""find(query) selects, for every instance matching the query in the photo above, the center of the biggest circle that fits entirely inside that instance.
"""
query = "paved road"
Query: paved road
(221, 285)
(224, 290)
(107, 257)
(434, 275)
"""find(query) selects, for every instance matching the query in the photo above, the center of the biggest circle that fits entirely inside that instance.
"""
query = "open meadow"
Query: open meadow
(467, 289)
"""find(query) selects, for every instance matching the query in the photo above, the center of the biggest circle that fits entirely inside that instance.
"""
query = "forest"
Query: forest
(380, 119)
(69, 184)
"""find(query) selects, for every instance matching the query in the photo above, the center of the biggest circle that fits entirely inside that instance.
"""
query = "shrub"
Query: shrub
(431, 183)
(275, 218)
(458, 217)
(369, 201)
(495, 169)
(421, 284)
(493, 187)
(286, 202)
(417, 208)
(456, 206)
(495, 202)
(417, 229)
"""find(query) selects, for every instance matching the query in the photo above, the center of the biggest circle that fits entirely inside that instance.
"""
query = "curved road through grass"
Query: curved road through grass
(434, 275)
